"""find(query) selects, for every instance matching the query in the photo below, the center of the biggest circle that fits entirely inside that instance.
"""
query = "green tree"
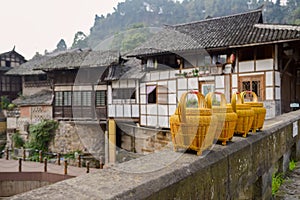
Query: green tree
(61, 45)
(41, 134)
(80, 40)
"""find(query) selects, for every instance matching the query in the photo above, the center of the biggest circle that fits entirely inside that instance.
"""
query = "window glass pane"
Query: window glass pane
(58, 98)
(151, 97)
(86, 98)
(67, 98)
(255, 87)
(77, 98)
(246, 86)
(101, 98)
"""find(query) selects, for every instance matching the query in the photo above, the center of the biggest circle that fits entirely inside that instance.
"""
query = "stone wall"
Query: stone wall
(79, 136)
(241, 170)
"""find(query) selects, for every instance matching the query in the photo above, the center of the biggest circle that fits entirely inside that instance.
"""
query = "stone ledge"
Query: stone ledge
(122, 181)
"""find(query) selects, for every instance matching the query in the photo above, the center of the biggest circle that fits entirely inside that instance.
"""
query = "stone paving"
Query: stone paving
(290, 189)
(27, 166)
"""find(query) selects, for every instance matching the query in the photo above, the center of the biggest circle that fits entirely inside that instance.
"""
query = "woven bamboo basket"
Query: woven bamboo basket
(245, 115)
(226, 118)
(190, 126)
(259, 111)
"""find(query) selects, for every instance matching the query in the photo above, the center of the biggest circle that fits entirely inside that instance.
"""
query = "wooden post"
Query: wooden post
(79, 160)
(41, 156)
(58, 158)
(88, 167)
(45, 165)
(24, 155)
(7, 153)
(101, 163)
(112, 140)
(66, 167)
(20, 164)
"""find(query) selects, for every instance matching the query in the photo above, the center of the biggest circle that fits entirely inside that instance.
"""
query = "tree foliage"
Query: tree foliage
(156, 13)
(41, 134)
(80, 40)
(61, 45)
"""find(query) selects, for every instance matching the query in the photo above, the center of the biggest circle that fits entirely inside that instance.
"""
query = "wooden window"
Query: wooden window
(100, 98)
(86, 98)
(162, 94)
(157, 94)
(67, 96)
(151, 93)
(254, 84)
(58, 98)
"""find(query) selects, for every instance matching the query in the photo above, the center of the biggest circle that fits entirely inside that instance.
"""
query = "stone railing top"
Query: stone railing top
(139, 178)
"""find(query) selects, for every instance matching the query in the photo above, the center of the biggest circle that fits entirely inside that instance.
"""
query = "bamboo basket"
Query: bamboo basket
(189, 126)
(245, 115)
(259, 111)
(226, 118)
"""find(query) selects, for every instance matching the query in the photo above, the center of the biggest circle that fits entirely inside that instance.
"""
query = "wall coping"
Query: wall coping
(122, 181)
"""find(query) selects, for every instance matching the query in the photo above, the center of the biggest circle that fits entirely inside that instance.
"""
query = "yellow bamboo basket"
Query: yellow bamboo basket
(190, 126)
(259, 111)
(245, 115)
(226, 118)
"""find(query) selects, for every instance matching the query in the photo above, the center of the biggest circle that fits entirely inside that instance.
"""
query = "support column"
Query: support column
(112, 140)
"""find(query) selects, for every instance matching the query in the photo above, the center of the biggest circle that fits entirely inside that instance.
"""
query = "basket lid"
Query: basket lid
(255, 104)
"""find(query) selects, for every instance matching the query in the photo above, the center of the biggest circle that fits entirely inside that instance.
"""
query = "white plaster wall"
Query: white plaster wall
(135, 111)
(123, 83)
(163, 110)
(277, 93)
(152, 109)
(152, 121)
(172, 109)
(154, 76)
(143, 120)
(193, 83)
(163, 122)
(172, 99)
(119, 111)
(277, 79)
(109, 95)
(111, 110)
(234, 81)
(219, 82)
(131, 83)
(143, 109)
(264, 65)
(182, 84)
(269, 93)
(246, 66)
(143, 98)
(172, 86)
(164, 75)
(127, 111)
(269, 79)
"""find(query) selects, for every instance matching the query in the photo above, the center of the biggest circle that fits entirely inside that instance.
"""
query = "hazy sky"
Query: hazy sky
(35, 25)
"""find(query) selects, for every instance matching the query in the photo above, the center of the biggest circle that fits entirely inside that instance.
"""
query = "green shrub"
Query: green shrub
(277, 180)
(11, 106)
(41, 134)
(4, 102)
(17, 140)
(292, 165)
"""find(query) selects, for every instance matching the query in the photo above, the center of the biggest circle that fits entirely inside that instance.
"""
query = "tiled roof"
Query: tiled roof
(77, 59)
(129, 70)
(44, 97)
(221, 32)
(27, 68)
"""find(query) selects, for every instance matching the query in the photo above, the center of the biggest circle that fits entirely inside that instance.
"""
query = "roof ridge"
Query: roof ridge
(278, 26)
(215, 18)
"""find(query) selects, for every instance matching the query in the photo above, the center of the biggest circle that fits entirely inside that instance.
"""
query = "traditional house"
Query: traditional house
(78, 83)
(227, 54)
(10, 86)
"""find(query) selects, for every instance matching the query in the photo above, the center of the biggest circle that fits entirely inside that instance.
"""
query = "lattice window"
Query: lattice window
(100, 98)
(254, 84)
